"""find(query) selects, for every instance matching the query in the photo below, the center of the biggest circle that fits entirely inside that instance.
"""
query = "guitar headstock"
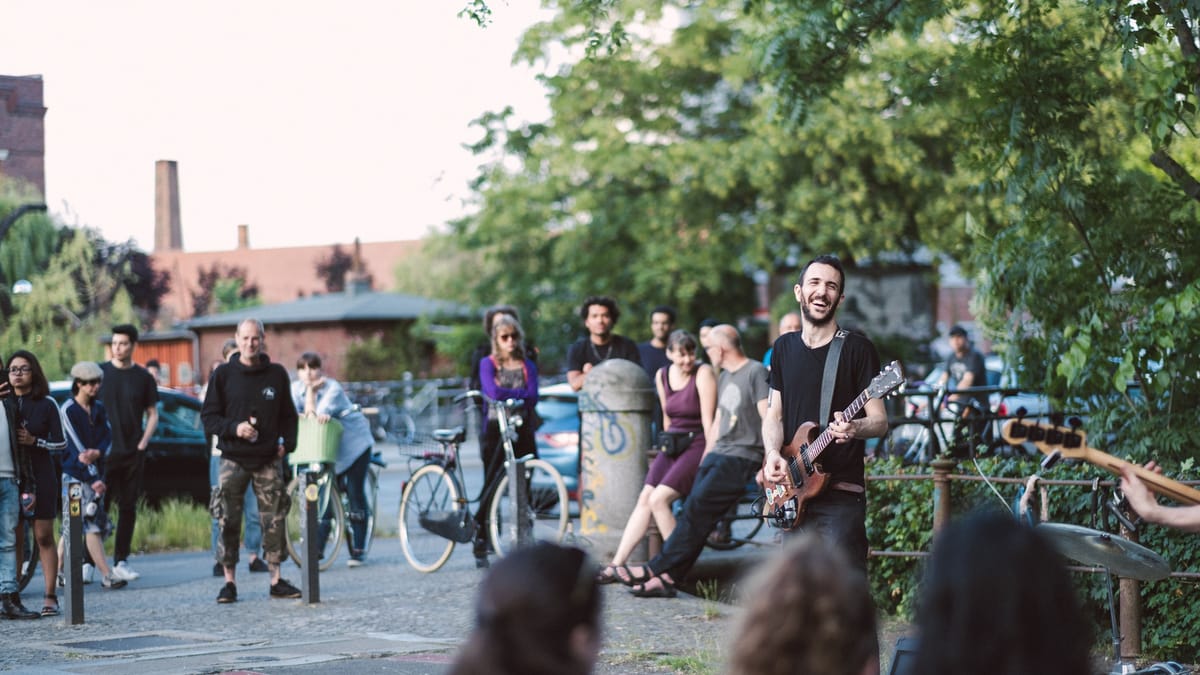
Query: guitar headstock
(888, 380)
(1069, 442)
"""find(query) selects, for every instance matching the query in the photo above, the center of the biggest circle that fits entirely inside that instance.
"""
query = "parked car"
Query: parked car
(558, 436)
(178, 455)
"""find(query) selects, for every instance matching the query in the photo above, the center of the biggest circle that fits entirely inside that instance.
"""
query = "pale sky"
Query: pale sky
(310, 122)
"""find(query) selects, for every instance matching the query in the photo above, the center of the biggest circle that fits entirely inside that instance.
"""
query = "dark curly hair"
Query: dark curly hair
(603, 301)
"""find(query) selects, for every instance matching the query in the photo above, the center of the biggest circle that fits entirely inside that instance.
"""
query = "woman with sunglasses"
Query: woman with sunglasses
(39, 431)
(506, 373)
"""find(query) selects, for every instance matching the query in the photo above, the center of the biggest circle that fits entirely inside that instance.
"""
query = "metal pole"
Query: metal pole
(941, 492)
(310, 564)
(72, 552)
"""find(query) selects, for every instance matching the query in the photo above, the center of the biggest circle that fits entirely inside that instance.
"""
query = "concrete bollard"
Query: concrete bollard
(615, 405)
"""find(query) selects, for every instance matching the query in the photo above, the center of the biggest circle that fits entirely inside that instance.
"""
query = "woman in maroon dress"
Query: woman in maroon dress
(687, 391)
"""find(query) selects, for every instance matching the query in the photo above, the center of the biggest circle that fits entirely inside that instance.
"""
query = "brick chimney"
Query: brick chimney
(243, 237)
(358, 281)
(168, 231)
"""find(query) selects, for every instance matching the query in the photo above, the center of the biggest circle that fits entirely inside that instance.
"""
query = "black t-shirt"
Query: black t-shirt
(126, 394)
(797, 372)
(584, 351)
(958, 366)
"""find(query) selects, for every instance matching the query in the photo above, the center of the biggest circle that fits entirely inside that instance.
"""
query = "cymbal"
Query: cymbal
(1122, 557)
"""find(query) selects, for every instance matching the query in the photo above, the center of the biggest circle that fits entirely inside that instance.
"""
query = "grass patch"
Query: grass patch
(699, 664)
(174, 525)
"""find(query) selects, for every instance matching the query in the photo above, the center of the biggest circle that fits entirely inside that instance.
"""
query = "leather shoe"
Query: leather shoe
(13, 609)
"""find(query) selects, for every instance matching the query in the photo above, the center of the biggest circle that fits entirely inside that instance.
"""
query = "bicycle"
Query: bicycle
(435, 512)
(331, 500)
(925, 432)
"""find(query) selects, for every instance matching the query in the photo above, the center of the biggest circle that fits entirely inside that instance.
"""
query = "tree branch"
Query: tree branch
(1176, 172)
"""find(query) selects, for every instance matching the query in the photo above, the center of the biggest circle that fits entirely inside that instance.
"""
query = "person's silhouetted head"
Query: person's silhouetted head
(537, 612)
(806, 610)
(997, 600)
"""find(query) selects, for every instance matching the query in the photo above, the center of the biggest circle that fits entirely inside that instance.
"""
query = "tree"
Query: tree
(223, 288)
(333, 268)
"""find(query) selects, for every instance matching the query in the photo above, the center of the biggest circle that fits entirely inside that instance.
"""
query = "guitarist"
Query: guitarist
(1186, 518)
(838, 514)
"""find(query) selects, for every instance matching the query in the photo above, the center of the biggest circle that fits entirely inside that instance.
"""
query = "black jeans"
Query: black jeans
(123, 478)
(720, 483)
(840, 519)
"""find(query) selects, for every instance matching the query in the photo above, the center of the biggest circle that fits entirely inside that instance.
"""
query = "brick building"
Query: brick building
(23, 131)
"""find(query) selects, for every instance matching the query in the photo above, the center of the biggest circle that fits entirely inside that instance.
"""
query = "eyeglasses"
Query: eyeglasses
(87, 383)
(507, 336)
(21, 370)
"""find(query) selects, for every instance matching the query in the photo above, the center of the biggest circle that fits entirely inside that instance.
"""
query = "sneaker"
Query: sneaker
(283, 589)
(228, 593)
(122, 570)
(258, 565)
(218, 570)
(89, 571)
(109, 582)
(355, 562)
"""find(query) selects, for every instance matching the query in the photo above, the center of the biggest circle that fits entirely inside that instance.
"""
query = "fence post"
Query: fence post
(941, 491)
(1130, 604)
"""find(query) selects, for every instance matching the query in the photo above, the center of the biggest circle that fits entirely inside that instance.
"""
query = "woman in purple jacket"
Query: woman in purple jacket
(505, 373)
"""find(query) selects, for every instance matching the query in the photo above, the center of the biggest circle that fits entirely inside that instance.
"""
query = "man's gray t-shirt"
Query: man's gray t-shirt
(738, 394)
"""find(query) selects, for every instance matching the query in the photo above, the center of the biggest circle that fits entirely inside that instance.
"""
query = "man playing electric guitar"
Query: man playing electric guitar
(838, 514)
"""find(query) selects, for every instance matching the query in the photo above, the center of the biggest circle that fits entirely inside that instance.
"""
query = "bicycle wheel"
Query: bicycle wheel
(29, 556)
(328, 497)
(742, 525)
(431, 492)
(547, 502)
(371, 486)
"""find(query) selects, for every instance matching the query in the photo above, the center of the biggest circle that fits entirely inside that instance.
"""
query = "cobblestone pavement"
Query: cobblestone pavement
(384, 617)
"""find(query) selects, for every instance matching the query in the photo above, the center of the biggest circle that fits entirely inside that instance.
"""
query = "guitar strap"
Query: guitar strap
(831, 365)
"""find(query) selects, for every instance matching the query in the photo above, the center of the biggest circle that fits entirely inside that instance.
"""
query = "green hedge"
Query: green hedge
(900, 518)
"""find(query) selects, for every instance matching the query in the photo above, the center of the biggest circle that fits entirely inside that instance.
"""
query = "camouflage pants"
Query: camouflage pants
(227, 500)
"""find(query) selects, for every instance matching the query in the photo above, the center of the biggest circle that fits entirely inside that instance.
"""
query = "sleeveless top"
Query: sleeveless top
(683, 405)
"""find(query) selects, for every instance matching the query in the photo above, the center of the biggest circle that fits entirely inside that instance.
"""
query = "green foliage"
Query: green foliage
(900, 518)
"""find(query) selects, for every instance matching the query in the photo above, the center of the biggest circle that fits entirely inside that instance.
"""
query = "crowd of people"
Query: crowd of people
(722, 420)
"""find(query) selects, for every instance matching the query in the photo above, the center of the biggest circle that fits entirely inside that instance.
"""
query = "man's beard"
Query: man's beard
(808, 316)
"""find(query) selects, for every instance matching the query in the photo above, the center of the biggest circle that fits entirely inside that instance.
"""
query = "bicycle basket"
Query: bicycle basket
(316, 442)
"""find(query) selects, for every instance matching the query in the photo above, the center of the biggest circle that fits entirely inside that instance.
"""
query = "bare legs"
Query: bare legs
(653, 502)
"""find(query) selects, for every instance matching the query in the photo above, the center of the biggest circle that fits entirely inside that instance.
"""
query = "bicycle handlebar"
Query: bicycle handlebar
(475, 394)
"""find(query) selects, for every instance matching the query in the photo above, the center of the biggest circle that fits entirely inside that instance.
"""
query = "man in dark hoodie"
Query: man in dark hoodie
(248, 407)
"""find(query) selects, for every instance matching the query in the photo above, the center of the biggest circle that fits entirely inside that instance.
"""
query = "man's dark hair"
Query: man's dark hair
(603, 301)
(128, 330)
(826, 259)
(153, 363)
(665, 309)
(709, 323)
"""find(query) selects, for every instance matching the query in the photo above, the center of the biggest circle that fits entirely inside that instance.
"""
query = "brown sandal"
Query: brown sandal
(612, 574)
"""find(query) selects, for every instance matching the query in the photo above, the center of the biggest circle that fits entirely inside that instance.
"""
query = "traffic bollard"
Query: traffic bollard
(72, 562)
(310, 586)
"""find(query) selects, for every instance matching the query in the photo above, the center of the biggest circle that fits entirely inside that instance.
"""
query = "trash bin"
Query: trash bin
(615, 406)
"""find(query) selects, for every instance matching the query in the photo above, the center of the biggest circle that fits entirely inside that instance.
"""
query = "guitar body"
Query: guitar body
(786, 501)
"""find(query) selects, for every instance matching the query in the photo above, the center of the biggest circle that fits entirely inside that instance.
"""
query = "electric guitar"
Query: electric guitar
(786, 501)
(1072, 444)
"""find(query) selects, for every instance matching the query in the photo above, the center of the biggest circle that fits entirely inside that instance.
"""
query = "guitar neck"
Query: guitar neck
(1157, 482)
(822, 441)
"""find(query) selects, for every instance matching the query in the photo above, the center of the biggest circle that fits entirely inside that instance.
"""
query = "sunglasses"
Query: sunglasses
(507, 336)
(84, 383)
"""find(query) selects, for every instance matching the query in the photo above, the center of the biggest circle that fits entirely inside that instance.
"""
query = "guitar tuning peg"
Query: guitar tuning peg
(1075, 423)
(1022, 412)
(1056, 418)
